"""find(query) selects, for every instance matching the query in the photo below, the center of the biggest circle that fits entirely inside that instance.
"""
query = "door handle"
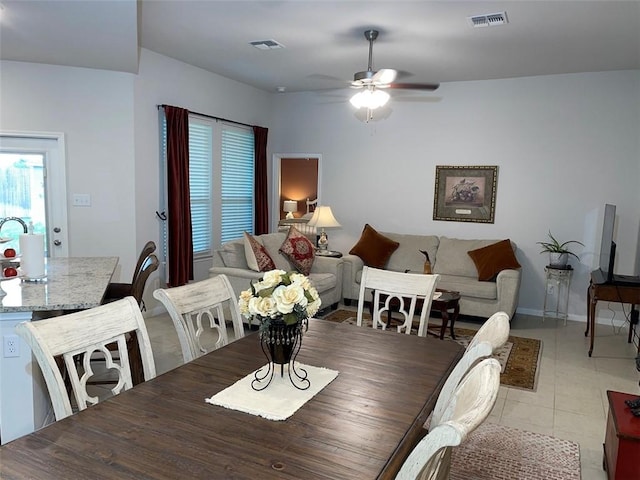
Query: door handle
(57, 230)
(57, 243)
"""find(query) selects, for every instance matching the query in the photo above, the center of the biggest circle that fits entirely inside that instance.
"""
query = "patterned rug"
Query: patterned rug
(519, 357)
(496, 452)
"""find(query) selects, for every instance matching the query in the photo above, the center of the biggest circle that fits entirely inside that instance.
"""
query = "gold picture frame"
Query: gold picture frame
(465, 194)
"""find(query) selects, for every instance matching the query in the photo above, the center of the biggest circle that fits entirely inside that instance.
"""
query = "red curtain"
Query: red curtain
(260, 180)
(179, 219)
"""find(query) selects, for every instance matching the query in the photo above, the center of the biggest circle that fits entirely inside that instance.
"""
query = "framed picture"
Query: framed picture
(465, 194)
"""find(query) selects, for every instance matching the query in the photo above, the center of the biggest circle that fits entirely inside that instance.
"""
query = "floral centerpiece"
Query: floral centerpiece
(286, 297)
(282, 302)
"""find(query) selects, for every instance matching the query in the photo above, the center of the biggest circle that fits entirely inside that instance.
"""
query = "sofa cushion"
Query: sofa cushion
(469, 287)
(232, 255)
(374, 248)
(452, 257)
(492, 259)
(299, 250)
(408, 256)
(258, 259)
(323, 281)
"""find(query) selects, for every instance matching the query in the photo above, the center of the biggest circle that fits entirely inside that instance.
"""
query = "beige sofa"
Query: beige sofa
(457, 270)
(326, 273)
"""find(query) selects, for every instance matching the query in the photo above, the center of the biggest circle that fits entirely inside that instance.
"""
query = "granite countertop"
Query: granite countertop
(71, 283)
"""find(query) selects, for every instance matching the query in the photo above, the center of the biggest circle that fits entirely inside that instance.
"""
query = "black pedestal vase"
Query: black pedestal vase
(280, 344)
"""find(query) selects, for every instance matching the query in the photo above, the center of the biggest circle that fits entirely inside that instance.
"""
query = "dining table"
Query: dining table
(362, 425)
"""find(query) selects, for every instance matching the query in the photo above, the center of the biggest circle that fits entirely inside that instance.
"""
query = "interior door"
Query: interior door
(33, 188)
(296, 177)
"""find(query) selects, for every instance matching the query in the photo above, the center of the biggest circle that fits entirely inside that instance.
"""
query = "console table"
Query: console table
(609, 293)
(622, 440)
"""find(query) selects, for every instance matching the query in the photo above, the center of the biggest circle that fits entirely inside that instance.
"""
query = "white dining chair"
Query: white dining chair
(75, 337)
(400, 292)
(492, 335)
(189, 305)
(470, 404)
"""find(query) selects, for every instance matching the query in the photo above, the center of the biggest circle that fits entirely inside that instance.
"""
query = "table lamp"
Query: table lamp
(290, 206)
(323, 218)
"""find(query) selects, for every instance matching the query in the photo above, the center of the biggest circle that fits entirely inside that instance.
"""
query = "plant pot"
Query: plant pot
(558, 259)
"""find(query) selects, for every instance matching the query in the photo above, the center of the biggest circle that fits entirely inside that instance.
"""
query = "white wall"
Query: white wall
(110, 120)
(94, 109)
(162, 80)
(565, 145)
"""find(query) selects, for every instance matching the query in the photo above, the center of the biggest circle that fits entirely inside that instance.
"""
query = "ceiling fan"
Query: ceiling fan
(373, 81)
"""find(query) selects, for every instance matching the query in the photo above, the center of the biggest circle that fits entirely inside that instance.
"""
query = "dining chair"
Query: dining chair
(74, 338)
(492, 335)
(470, 404)
(144, 267)
(188, 305)
(397, 292)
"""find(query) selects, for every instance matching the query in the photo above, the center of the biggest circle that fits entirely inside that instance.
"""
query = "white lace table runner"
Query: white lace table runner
(280, 399)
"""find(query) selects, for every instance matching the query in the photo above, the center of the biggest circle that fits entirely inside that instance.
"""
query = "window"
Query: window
(221, 182)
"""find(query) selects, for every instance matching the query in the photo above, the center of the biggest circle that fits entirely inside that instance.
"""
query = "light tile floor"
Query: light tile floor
(570, 401)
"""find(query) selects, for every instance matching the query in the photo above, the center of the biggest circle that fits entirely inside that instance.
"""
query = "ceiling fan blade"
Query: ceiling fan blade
(414, 86)
(384, 76)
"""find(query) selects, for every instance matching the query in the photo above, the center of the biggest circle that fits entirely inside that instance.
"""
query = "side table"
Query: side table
(328, 253)
(622, 439)
(558, 280)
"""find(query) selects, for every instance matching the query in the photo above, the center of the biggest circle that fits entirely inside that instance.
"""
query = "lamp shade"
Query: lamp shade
(290, 206)
(323, 218)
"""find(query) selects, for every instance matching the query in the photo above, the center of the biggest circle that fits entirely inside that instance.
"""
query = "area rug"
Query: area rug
(519, 357)
(496, 452)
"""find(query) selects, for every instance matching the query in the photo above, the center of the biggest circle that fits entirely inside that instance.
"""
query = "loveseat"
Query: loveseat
(450, 259)
(325, 275)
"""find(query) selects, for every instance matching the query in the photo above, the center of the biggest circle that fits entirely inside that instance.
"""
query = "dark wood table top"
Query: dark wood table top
(361, 426)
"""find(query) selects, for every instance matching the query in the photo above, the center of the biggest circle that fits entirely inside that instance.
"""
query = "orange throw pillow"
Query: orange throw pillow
(374, 248)
(492, 259)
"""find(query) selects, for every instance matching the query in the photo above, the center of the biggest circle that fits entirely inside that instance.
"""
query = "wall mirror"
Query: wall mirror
(296, 179)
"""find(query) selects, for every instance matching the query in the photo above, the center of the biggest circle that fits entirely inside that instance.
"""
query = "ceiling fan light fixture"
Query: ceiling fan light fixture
(370, 99)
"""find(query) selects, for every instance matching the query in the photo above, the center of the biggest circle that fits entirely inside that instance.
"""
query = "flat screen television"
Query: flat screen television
(605, 274)
(607, 245)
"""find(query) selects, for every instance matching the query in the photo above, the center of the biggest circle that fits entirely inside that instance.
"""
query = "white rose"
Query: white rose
(265, 307)
(287, 297)
(273, 277)
(299, 279)
(313, 307)
(243, 302)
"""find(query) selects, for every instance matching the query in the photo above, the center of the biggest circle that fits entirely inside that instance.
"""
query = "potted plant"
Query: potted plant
(558, 252)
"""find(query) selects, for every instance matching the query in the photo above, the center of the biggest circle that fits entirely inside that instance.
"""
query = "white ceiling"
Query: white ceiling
(427, 41)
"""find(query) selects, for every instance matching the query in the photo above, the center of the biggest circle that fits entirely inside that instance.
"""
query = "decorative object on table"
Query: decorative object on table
(32, 251)
(323, 218)
(465, 194)
(290, 206)
(427, 263)
(282, 302)
(558, 252)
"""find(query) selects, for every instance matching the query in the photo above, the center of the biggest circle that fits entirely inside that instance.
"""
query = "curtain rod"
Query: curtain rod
(211, 116)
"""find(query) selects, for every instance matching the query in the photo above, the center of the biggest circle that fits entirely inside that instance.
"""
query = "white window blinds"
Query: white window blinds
(200, 167)
(237, 182)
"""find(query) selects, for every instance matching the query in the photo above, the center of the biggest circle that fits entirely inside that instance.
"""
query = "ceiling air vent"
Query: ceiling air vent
(266, 44)
(488, 20)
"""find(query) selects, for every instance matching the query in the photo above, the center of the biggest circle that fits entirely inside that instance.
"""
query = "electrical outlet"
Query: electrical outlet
(11, 346)
(551, 289)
